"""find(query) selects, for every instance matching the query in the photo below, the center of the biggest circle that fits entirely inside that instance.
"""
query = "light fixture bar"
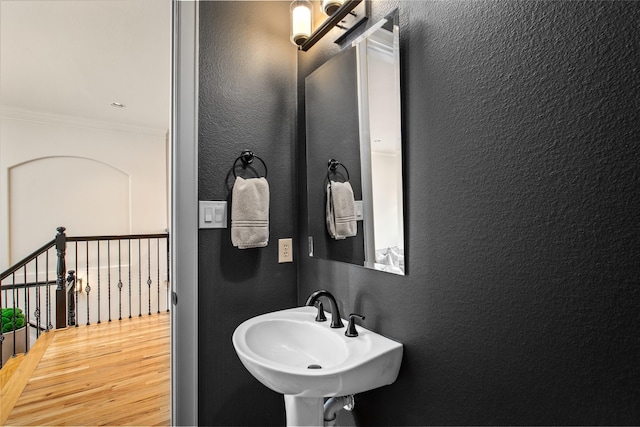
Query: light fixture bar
(331, 22)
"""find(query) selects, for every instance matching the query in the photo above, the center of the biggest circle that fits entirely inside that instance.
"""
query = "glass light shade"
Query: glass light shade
(300, 21)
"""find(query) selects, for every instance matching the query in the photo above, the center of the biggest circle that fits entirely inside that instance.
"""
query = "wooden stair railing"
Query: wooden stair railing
(129, 268)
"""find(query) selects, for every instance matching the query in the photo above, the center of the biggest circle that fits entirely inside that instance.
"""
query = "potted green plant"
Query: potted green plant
(13, 330)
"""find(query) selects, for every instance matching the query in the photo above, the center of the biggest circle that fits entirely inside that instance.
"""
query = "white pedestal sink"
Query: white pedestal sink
(306, 361)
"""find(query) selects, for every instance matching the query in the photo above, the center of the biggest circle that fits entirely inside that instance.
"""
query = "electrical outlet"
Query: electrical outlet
(285, 250)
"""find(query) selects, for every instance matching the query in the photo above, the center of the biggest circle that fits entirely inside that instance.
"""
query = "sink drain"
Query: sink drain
(314, 367)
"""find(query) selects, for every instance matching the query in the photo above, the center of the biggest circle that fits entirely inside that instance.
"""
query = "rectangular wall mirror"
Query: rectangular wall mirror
(353, 116)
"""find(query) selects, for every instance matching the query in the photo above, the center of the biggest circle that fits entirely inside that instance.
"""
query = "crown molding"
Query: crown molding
(78, 122)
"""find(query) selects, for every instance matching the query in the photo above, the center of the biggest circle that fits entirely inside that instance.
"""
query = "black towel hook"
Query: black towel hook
(332, 165)
(247, 157)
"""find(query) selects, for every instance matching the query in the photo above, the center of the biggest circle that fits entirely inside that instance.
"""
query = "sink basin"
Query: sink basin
(291, 353)
(295, 344)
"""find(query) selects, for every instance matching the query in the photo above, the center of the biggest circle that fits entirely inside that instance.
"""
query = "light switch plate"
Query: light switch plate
(212, 214)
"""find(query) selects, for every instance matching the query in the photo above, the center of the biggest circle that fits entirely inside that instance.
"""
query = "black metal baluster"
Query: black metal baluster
(149, 272)
(48, 296)
(87, 287)
(119, 280)
(158, 261)
(2, 302)
(36, 312)
(98, 282)
(13, 301)
(139, 280)
(38, 302)
(26, 311)
(72, 315)
(109, 275)
(168, 277)
(129, 255)
(75, 283)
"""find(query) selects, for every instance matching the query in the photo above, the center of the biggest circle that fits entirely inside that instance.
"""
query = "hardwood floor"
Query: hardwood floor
(115, 373)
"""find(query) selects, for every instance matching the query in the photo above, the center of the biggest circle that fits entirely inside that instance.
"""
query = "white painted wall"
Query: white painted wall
(385, 143)
(91, 177)
(387, 199)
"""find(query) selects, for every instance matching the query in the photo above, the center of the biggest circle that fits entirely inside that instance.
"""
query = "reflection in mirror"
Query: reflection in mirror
(381, 146)
(332, 132)
(353, 115)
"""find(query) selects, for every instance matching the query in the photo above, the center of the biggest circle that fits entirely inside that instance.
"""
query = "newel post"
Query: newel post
(61, 294)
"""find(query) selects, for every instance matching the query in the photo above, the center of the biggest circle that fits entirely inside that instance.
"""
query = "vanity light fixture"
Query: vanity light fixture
(342, 15)
(300, 21)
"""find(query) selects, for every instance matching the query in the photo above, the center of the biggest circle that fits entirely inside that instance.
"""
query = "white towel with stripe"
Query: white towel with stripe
(250, 213)
(341, 210)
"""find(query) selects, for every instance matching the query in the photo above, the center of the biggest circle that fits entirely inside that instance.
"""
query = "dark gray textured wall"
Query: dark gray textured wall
(522, 174)
(521, 137)
(247, 100)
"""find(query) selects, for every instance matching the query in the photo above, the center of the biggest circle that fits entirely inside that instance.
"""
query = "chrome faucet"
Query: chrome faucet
(336, 322)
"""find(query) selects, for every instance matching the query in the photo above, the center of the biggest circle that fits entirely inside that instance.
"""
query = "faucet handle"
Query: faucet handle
(320, 317)
(351, 328)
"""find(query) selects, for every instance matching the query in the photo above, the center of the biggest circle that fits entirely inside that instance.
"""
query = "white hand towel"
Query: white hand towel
(250, 213)
(341, 210)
